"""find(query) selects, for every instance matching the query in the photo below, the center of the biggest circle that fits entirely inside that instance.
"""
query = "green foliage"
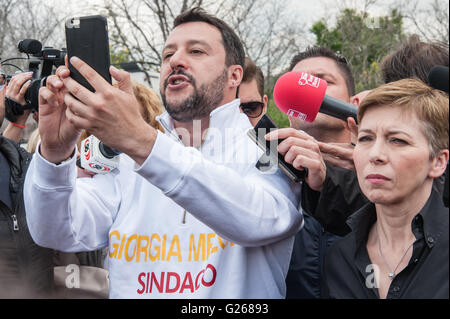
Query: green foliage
(363, 40)
(280, 119)
(119, 55)
(325, 37)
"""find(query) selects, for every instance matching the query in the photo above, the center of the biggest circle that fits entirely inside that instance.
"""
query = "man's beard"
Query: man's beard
(200, 103)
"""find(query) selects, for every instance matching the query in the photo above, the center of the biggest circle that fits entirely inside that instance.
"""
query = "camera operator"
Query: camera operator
(26, 270)
(15, 92)
(23, 88)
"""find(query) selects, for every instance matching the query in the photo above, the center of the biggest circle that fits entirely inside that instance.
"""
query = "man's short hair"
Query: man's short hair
(234, 50)
(414, 97)
(252, 71)
(341, 62)
(414, 59)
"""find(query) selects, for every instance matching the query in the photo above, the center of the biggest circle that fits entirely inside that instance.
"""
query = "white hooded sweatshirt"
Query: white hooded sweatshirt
(188, 223)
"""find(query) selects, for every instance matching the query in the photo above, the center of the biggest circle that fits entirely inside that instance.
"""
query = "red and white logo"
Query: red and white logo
(87, 150)
(172, 282)
(308, 79)
(99, 167)
(297, 114)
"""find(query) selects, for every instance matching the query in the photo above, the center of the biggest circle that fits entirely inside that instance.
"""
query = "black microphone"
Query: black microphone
(438, 78)
(30, 46)
(337, 108)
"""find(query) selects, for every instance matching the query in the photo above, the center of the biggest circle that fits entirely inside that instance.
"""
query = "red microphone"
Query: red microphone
(302, 95)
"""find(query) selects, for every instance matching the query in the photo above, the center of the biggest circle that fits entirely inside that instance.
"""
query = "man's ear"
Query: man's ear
(439, 164)
(358, 98)
(355, 100)
(266, 102)
(235, 73)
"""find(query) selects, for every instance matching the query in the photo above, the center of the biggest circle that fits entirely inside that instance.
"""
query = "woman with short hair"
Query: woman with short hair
(398, 247)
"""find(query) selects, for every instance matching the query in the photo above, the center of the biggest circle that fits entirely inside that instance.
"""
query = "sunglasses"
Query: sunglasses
(252, 109)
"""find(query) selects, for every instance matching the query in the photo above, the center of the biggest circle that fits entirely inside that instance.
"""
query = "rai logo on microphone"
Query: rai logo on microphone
(307, 79)
(297, 114)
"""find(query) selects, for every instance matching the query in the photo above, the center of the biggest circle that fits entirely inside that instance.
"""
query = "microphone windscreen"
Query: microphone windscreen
(30, 46)
(299, 95)
(438, 78)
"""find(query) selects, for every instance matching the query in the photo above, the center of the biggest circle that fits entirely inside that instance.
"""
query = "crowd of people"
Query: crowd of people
(188, 214)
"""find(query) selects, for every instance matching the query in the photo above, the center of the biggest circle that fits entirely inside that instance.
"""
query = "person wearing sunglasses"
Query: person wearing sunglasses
(251, 92)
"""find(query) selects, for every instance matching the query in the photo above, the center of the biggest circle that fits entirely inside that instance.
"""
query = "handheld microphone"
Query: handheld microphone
(98, 157)
(302, 95)
(438, 78)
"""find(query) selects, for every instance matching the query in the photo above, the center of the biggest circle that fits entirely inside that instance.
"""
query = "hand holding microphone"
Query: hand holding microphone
(301, 95)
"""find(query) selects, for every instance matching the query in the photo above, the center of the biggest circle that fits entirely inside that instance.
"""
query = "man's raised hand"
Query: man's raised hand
(111, 114)
(58, 134)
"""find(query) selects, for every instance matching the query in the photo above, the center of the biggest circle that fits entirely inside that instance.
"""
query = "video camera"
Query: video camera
(40, 62)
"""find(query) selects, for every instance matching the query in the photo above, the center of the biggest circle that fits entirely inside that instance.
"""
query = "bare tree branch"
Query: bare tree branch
(143, 26)
(420, 15)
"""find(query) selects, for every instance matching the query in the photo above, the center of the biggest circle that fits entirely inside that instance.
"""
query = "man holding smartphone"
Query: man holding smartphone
(186, 214)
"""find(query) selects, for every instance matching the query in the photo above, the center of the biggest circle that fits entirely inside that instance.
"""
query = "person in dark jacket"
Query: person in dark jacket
(305, 272)
(399, 244)
(26, 270)
(13, 165)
